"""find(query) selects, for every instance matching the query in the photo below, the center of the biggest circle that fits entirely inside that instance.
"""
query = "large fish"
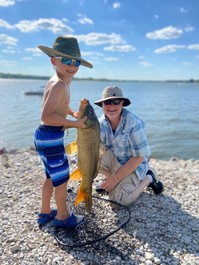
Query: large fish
(87, 146)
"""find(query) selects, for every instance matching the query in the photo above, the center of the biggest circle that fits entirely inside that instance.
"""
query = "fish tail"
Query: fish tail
(84, 197)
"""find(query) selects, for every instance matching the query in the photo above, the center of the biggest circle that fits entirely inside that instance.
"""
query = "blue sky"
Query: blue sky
(126, 39)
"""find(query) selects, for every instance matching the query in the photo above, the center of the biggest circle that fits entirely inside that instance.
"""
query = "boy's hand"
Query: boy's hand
(81, 124)
(76, 115)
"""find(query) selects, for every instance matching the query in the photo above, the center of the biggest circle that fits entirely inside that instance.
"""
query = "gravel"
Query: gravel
(161, 229)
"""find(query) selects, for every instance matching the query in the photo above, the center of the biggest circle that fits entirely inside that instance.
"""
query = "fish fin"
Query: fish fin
(81, 197)
(76, 174)
(71, 148)
(84, 197)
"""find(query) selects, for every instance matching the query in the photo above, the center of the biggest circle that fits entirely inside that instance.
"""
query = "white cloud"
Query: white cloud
(34, 51)
(10, 50)
(183, 10)
(93, 39)
(51, 24)
(5, 24)
(167, 33)
(111, 59)
(6, 3)
(89, 53)
(169, 48)
(116, 5)
(120, 48)
(193, 47)
(8, 40)
(145, 64)
(84, 20)
(27, 58)
(7, 63)
(189, 29)
(173, 48)
(54, 25)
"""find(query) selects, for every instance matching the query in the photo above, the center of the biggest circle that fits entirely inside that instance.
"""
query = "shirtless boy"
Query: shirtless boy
(66, 58)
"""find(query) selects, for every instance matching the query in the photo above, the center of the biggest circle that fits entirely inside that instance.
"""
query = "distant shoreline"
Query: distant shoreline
(33, 77)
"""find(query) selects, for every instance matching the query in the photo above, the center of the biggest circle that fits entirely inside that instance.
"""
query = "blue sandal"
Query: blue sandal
(44, 218)
(70, 223)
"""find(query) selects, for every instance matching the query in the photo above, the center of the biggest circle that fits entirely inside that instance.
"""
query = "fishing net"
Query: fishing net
(100, 224)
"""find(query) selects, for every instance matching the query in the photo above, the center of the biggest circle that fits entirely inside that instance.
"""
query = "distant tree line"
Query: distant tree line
(20, 76)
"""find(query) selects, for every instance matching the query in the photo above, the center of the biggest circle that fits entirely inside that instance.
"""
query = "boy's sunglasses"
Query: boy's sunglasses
(113, 101)
(67, 61)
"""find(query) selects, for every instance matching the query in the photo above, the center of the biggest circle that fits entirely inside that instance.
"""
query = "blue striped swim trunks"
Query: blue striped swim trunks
(49, 143)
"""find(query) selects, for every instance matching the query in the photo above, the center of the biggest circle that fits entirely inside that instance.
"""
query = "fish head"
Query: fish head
(85, 109)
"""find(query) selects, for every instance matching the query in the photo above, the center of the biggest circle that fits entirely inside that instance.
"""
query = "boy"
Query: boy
(66, 58)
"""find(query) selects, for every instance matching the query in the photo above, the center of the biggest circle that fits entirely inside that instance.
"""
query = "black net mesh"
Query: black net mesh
(100, 224)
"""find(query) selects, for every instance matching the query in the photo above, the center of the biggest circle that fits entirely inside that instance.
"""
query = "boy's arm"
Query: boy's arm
(50, 115)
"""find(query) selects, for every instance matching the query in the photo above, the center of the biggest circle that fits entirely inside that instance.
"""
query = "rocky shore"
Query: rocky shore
(160, 229)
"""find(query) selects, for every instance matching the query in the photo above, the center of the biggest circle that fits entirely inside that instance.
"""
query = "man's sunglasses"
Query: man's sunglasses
(67, 61)
(113, 101)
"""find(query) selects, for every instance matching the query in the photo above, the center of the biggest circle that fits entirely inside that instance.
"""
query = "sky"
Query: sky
(124, 40)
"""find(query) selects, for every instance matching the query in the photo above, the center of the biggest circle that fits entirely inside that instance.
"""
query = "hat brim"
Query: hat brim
(125, 104)
(52, 52)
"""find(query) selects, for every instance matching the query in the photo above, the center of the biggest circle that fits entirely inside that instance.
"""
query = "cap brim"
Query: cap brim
(52, 52)
(125, 104)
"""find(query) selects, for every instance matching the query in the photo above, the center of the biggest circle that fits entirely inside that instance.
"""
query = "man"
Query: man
(125, 162)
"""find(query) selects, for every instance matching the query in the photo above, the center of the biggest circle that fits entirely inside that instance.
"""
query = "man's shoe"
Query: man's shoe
(157, 186)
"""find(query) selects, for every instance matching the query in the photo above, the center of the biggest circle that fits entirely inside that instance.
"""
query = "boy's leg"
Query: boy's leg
(60, 198)
(47, 189)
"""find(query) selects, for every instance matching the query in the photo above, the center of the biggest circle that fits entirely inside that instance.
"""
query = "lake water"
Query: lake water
(170, 111)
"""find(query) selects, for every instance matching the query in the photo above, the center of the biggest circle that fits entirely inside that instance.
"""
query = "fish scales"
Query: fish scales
(88, 143)
(88, 152)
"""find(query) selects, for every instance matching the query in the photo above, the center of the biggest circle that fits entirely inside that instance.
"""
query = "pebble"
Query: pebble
(162, 230)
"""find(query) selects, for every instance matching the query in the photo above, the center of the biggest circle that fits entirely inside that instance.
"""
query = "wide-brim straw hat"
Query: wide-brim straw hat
(112, 92)
(65, 47)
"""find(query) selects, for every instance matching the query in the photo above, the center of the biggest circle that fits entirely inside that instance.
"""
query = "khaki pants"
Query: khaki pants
(123, 192)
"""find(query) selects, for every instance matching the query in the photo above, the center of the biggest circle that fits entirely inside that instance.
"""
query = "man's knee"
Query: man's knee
(124, 192)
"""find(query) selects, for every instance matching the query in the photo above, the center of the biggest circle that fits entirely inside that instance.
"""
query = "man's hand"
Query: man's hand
(110, 183)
